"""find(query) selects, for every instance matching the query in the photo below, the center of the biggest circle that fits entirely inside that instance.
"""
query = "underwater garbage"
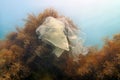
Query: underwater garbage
(52, 31)
(58, 32)
(24, 55)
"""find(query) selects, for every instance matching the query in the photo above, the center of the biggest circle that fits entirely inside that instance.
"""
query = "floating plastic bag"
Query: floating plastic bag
(75, 41)
(61, 34)
(52, 31)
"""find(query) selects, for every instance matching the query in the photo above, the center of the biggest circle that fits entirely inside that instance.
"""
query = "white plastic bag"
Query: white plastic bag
(52, 31)
(62, 35)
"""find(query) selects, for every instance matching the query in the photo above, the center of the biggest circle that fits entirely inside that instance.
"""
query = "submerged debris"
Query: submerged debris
(25, 57)
(62, 35)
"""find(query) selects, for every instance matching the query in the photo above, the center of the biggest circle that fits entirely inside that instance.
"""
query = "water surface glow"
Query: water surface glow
(96, 18)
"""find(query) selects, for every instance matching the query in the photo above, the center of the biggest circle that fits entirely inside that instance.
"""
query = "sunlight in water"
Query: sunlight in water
(96, 18)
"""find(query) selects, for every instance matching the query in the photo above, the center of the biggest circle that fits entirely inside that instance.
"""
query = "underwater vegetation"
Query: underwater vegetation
(24, 57)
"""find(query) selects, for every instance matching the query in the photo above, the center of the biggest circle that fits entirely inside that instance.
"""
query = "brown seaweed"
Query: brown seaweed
(19, 59)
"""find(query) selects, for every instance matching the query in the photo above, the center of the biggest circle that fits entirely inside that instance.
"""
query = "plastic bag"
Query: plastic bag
(52, 31)
(75, 41)
(62, 35)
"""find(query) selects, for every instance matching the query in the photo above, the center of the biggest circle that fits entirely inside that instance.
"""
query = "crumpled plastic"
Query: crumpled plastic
(52, 31)
(75, 41)
(59, 33)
